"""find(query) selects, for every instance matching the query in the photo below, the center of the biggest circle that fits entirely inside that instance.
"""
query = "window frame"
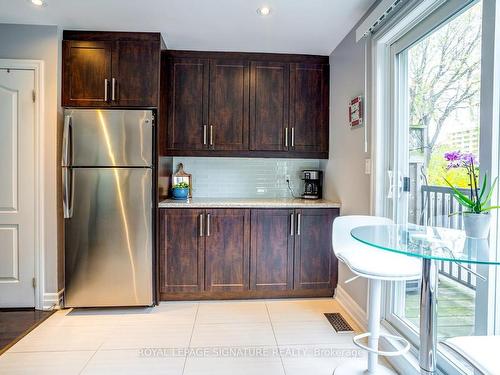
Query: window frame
(407, 27)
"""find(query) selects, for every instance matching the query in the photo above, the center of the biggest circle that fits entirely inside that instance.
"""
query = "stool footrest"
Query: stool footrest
(406, 344)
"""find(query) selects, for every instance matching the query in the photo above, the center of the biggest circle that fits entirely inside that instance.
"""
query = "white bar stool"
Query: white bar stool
(376, 266)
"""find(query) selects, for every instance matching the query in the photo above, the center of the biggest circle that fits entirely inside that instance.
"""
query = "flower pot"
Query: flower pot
(477, 225)
(180, 194)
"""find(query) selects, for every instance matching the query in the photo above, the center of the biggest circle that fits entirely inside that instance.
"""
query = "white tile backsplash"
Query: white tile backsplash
(244, 177)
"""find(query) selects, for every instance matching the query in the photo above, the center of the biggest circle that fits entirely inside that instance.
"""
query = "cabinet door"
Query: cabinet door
(187, 106)
(86, 73)
(269, 102)
(136, 67)
(309, 107)
(271, 259)
(227, 245)
(228, 114)
(181, 250)
(315, 263)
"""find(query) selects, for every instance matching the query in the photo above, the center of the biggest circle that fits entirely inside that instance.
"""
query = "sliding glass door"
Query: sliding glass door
(435, 110)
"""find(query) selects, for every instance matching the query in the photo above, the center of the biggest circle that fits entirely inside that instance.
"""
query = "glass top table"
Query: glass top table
(431, 245)
(426, 242)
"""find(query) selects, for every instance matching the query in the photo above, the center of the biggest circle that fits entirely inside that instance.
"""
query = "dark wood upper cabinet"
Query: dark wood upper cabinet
(315, 264)
(271, 259)
(187, 115)
(309, 107)
(269, 103)
(110, 69)
(182, 251)
(136, 70)
(227, 243)
(86, 73)
(228, 113)
(245, 104)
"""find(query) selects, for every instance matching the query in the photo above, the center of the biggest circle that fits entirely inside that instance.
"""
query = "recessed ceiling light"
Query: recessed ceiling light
(264, 11)
(38, 3)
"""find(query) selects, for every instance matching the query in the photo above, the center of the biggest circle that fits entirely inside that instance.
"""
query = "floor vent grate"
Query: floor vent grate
(338, 322)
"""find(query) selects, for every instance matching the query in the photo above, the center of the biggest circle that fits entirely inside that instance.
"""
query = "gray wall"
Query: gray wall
(345, 169)
(42, 43)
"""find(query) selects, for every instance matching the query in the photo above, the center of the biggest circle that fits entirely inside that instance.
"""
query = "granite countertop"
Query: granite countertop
(248, 203)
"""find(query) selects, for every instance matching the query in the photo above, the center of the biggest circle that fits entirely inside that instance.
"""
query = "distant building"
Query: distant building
(465, 140)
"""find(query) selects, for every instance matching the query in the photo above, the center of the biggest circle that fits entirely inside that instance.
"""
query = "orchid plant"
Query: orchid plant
(479, 196)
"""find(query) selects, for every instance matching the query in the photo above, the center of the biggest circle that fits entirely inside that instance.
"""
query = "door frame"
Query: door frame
(37, 66)
(382, 69)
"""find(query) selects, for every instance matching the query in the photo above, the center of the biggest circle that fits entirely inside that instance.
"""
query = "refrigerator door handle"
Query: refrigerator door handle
(66, 142)
(67, 192)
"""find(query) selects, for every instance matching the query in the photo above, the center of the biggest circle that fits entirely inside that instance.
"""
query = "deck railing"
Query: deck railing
(436, 205)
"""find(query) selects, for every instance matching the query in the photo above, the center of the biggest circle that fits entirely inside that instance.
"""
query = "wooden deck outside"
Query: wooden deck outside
(456, 308)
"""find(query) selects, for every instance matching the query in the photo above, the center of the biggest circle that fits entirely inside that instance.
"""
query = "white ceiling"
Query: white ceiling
(294, 26)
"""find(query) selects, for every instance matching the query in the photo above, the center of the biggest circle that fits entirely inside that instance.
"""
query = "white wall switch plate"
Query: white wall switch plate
(368, 166)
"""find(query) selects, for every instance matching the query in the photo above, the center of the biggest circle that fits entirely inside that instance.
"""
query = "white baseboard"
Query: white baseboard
(51, 300)
(356, 312)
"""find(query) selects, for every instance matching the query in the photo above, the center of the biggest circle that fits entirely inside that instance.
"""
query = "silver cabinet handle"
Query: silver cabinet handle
(67, 191)
(291, 225)
(211, 135)
(113, 86)
(66, 146)
(204, 134)
(105, 89)
(286, 137)
(201, 225)
(208, 225)
(298, 224)
(293, 136)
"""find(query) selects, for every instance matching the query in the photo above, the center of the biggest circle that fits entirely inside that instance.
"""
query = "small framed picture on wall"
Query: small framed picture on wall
(356, 112)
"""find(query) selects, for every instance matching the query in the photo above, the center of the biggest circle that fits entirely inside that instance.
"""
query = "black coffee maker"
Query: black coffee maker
(313, 184)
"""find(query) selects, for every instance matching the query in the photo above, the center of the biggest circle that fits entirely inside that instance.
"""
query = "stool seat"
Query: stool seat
(371, 263)
(480, 351)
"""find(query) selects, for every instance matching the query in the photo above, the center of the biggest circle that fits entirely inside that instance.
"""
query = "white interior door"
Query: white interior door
(17, 187)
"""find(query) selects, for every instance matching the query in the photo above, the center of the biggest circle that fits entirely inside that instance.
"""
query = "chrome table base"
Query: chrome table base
(428, 316)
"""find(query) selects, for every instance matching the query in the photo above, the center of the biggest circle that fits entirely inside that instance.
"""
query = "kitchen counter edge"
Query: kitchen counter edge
(249, 203)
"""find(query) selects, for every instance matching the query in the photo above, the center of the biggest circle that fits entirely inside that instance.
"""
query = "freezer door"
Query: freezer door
(95, 137)
(108, 238)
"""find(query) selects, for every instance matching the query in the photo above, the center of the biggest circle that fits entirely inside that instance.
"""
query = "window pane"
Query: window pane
(443, 75)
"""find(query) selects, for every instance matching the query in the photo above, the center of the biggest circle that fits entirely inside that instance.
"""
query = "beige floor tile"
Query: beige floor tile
(85, 317)
(233, 366)
(134, 361)
(149, 335)
(58, 338)
(317, 359)
(232, 312)
(65, 343)
(165, 313)
(313, 332)
(236, 334)
(301, 310)
(41, 363)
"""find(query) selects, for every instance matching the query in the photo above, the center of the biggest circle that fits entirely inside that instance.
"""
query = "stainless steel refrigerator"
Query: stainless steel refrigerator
(107, 161)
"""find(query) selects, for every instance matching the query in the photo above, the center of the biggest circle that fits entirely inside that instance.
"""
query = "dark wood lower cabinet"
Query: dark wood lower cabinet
(243, 253)
(182, 251)
(271, 259)
(315, 264)
(227, 243)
